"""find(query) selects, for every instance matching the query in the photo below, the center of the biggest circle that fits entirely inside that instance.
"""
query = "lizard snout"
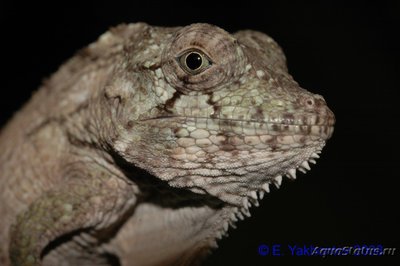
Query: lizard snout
(319, 117)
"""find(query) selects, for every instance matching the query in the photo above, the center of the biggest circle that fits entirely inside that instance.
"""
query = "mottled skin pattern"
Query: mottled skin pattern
(152, 139)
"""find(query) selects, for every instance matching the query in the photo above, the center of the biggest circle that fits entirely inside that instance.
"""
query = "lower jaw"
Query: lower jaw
(241, 211)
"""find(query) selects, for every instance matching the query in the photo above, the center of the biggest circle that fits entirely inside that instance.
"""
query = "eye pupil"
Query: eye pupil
(194, 61)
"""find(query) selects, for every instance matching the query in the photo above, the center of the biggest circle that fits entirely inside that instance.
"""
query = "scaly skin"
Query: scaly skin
(152, 139)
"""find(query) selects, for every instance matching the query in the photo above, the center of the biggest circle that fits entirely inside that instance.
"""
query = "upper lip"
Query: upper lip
(300, 120)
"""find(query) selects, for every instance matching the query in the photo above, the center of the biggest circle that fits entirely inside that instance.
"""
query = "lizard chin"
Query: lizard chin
(253, 197)
(244, 188)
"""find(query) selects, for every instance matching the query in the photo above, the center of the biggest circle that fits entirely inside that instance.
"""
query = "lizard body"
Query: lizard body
(152, 138)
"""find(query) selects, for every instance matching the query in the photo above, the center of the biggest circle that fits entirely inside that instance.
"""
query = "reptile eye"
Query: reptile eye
(194, 62)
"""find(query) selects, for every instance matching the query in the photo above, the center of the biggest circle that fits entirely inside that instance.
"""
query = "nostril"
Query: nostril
(310, 102)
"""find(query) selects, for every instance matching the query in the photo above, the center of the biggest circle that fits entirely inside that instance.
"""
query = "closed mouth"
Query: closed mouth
(321, 127)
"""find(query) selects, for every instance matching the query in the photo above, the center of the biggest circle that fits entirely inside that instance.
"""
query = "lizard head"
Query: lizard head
(213, 112)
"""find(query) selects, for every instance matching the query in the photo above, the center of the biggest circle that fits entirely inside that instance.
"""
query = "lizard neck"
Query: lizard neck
(176, 236)
(177, 225)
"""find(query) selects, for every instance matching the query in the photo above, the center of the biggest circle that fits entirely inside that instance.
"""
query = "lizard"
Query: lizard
(152, 139)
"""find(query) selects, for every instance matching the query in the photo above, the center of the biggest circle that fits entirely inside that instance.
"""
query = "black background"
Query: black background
(349, 53)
